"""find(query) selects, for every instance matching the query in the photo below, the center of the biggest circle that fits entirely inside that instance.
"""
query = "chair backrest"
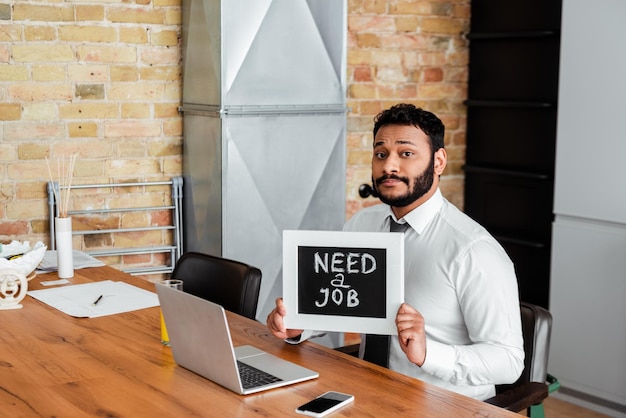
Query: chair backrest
(229, 283)
(536, 328)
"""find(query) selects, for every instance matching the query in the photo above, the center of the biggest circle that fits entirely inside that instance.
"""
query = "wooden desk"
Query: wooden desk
(52, 364)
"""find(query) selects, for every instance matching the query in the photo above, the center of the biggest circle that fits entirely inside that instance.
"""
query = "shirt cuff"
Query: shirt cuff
(439, 359)
(306, 334)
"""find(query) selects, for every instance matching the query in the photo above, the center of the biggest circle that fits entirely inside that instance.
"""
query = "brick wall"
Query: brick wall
(406, 51)
(102, 78)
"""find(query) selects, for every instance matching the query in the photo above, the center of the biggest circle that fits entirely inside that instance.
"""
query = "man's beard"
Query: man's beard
(421, 185)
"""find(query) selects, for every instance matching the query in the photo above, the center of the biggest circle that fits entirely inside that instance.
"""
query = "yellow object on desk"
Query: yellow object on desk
(175, 284)
(165, 339)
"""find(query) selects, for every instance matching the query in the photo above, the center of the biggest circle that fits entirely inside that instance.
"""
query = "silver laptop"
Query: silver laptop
(201, 342)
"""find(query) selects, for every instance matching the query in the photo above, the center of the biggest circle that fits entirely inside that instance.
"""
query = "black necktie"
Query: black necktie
(396, 227)
(377, 346)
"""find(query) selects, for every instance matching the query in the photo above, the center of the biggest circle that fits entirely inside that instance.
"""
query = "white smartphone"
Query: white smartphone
(325, 404)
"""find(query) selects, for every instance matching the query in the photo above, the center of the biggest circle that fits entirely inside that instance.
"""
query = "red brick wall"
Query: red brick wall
(102, 78)
(406, 51)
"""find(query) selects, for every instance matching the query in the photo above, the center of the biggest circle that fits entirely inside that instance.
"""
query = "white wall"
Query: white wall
(590, 179)
(588, 273)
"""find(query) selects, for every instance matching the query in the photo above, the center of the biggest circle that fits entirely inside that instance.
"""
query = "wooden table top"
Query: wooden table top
(52, 364)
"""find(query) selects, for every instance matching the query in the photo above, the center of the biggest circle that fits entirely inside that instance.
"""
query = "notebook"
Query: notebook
(201, 342)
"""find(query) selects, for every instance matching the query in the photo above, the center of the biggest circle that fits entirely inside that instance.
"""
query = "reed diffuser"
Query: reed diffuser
(65, 175)
(63, 222)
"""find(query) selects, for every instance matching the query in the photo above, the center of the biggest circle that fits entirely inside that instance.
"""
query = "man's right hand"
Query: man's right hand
(276, 322)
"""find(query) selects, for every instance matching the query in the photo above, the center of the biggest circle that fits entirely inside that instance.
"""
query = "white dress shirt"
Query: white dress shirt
(464, 285)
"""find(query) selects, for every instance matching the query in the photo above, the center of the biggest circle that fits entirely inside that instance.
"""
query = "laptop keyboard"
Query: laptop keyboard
(252, 377)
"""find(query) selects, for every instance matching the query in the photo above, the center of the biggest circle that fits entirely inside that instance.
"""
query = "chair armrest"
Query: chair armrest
(352, 349)
(520, 397)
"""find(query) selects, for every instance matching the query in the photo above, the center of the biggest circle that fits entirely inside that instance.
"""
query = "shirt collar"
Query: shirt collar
(421, 216)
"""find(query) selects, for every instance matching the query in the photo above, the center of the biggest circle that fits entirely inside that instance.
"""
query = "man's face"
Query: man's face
(404, 168)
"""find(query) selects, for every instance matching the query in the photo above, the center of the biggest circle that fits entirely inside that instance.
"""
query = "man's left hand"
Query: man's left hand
(411, 333)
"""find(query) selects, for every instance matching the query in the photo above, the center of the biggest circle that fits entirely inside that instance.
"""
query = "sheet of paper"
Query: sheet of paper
(81, 260)
(79, 300)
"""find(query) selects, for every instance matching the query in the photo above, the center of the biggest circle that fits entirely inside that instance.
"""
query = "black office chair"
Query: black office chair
(534, 385)
(229, 283)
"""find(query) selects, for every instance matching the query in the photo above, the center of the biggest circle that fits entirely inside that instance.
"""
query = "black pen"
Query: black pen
(97, 300)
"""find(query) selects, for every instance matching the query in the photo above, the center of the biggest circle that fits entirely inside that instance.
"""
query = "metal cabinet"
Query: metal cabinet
(264, 118)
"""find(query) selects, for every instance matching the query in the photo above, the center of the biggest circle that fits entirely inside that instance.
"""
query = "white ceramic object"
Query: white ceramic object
(13, 288)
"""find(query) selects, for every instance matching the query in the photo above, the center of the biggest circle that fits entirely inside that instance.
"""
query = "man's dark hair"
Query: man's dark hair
(408, 114)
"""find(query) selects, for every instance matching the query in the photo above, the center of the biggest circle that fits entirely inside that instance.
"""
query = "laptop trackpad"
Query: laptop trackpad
(245, 351)
(269, 363)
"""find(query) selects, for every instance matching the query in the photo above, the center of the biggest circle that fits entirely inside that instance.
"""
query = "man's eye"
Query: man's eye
(407, 154)
(380, 155)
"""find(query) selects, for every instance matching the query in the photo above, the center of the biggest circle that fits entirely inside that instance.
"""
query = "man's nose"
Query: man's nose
(392, 164)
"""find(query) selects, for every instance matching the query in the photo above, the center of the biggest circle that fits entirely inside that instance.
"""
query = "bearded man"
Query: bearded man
(460, 326)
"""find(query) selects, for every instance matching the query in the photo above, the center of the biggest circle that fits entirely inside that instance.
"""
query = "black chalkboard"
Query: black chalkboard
(343, 281)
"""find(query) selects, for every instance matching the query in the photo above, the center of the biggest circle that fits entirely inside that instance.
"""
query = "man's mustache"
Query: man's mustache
(391, 176)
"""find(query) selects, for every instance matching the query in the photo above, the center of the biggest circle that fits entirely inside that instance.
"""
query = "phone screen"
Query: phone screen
(319, 405)
(324, 404)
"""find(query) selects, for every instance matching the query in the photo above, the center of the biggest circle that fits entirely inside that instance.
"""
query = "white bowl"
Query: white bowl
(27, 262)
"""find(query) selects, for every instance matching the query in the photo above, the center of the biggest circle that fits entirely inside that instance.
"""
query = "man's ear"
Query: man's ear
(441, 159)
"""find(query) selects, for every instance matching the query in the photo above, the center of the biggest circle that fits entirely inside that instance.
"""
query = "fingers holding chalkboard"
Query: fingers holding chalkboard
(276, 323)
(411, 333)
